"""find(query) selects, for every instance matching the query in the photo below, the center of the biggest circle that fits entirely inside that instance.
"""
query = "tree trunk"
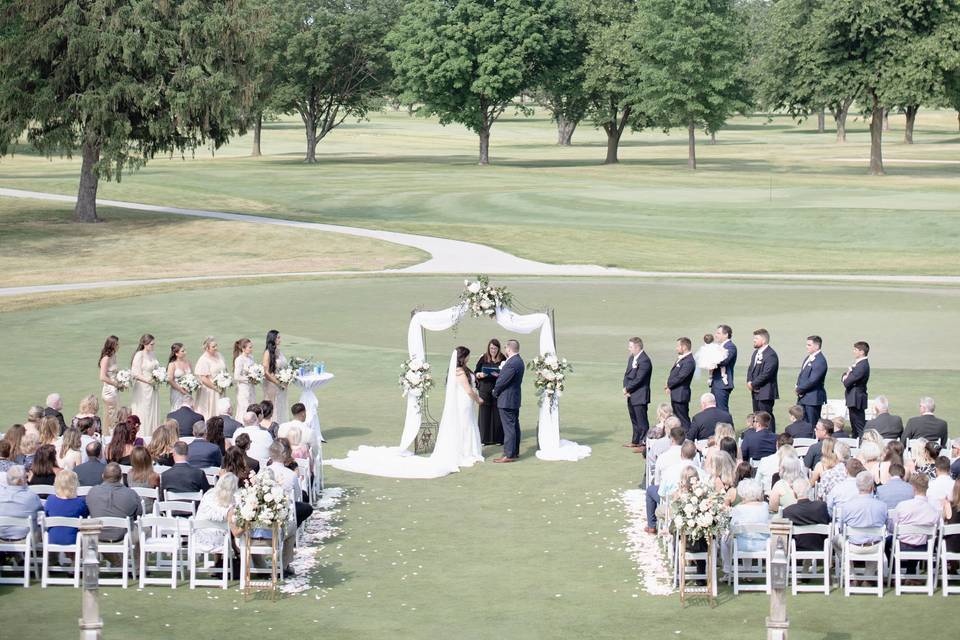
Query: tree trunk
(821, 120)
(86, 207)
(257, 128)
(886, 119)
(310, 124)
(840, 117)
(876, 135)
(485, 146)
(713, 137)
(613, 143)
(565, 129)
(911, 120)
(691, 146)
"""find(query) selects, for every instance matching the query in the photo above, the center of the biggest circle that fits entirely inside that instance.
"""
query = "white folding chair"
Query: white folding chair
(125, 469)
(24, 546)
(801, 445)
(159, 468)
(123, 546)
(147, 493)
(42, 490)
(757, 565)
(303, 472)
(174, 508)
(946, 557)
(187, 439)
(83, 491)
(159, 536)
(899, 555)
(49, 547)
(318, 470)
(690, 571)
(262, 549)
(797, 571)
(183, 496)
(217, 541)
(871, 553)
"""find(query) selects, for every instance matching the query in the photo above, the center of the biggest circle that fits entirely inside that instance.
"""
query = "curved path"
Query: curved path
(446, 256)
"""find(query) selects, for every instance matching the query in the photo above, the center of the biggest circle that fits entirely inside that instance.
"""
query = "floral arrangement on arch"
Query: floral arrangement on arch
(700, 513)
(551, 373)
(482, 298)
(222, 381)
(416, 379)
(189, 382)
(262, 504)
(158, 376)
(124, 379)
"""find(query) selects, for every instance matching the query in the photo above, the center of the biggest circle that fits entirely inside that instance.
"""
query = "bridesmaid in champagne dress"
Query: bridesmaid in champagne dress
(242, 361)
(145, 403)
(177, 365)
(209, 364)
(273, 391)
(108, 375)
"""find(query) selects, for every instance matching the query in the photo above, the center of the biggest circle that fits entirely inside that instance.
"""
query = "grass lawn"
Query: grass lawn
(770, 196)
(530, 550)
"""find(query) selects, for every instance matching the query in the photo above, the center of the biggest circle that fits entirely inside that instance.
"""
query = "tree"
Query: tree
(561, 91)
(689, 55)
(466, 60)
(122, 81)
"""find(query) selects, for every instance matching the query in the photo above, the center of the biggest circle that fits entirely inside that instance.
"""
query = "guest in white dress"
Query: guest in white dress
(273, 361)
(108, 376)
(209, 364)
(216, 506)
(246, 390)
(177, 365)
(145, 402)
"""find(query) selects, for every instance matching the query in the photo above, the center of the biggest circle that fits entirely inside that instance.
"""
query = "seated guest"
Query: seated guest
(923, 458)
(823, 429)
(721, 470)
(828, 459)
(186, 417)
(111, 499)
(769, 465)
(87, 435)
(235, 462)
(926, 425)
(703, 424)
(202, 453)
(892, 454)
(836, 474)
(260, 438)
(895, 490)
(840, 428)
(951, 515)
(28, 447)
(729, 446)
(14, 436)
(782, 493)
(303, 509)
(798, 427)
(290, 533)
(49, 430)
(670, 479)
(722, 430)
(121, 444)
(664, 411)
(225, 411)
(886, 424)
(65, 504)
(285, 476)
(916, 512)
(182, 477)
(658, 441)
(942, 485)
(217, 506)
(32, 423)
(54, 410)
(751, 510)
(90, 473)
(848, 488)
(89, 407)
(955, 456)
(142, 475)
(243, 444)
(806, 512)
(17, 501)
(44, 469)
(68, 451)
(161, 444)
(760, 442)
(266, 418)
(214, 433)
(6, 456)
(863, 510)
(869, 455)
(665, 460)
(307, 435)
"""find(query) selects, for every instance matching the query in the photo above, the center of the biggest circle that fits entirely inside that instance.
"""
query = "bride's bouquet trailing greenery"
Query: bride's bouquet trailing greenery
(700, 513)
(551, 379)
(158, 376)
(254, 373)
(189, 382)
(124, 379)
(262, 504)
(416, 379)
(482, 299)
(222, 381)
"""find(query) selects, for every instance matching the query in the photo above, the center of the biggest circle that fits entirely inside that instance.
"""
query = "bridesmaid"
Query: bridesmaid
(209, 364)
(177, 365)
(242, 360)
(491, 431)
(273, 391)
(145, 403)
(110, 392)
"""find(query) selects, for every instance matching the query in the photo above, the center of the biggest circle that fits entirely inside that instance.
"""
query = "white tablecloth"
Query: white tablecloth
(310, 383)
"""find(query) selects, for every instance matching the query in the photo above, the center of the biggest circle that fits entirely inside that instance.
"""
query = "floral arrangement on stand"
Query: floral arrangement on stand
(222, 381)
(124, 379)
(551, 373)
(158, 376)
(262, 504)
(189, 382)
(298, 362)
(286, 375)
(482, 299)
(255, 373)
(700, 513)
(416, 379)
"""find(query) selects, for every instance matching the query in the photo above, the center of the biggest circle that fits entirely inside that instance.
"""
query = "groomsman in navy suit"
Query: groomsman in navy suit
(678, 382)
(811, 394)
(762, 376)
(855, 382)
(721, 379)
(636, 389)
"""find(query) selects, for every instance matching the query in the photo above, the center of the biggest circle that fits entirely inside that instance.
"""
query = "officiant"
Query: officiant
(487, 371)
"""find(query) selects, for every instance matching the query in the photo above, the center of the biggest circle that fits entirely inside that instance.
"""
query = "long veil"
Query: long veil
(447, 444)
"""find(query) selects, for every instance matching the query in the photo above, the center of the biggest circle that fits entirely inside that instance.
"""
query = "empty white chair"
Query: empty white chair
(159, 536)
(207, 538)
(24, 546)
(123, 546)
(867, 553)
(815, 558)
(750, 565)
(51, 548)
(946, 557)
(926, 555)
(258, 548)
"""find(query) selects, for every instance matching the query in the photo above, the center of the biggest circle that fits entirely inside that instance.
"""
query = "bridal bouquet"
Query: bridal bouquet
(222, 381)
(286, 375)
(255, 373)
(551, 377)
(158, 376)
(482, 299)
(416, 379)
(189, 382)
(124, 379)
(262, 504)
(700, 513)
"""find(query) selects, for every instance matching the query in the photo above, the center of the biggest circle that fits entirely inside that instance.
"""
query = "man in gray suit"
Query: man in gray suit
(886, 424)
(507, 393)
(926, 425)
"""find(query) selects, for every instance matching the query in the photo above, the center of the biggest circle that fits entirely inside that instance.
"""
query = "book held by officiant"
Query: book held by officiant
(490, 371)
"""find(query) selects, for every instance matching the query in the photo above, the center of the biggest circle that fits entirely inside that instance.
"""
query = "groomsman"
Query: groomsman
(855, 382)
(636, 389)
(811, 394)
(721, 379)
(762, 376)
(678, 382)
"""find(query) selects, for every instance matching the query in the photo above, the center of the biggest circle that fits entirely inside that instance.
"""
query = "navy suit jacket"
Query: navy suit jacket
(636, 380)
(716, 380)
(704, 424)
(801, 429)
(186, 418)
(810, 389)
(203, 454)
(507, 389)
(855, 384)
(679, 379)
(758, 444)
(763, 376)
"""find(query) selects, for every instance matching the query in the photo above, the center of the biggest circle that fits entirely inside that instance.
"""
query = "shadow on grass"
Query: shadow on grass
(346, 432)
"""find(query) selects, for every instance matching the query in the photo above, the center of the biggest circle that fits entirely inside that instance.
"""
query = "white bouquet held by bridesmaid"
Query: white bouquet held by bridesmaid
(286, 375)
(551, 379)
(222, 381)
(262, 504)
(483, 299)
(254, 373)
(700, 513)
(416, 379)
(188, 381)
(124, 379)
(158, 376)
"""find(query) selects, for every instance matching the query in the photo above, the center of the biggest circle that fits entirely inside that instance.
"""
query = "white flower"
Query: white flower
(474, 287)
(412, 377)
(551, 360)
(416, 363)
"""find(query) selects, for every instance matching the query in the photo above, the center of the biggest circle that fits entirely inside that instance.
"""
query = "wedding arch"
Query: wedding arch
(482, 300)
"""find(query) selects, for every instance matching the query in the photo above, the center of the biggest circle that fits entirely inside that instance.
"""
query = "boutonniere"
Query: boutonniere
(635, 363)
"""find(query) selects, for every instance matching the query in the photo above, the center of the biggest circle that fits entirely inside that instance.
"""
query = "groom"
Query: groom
(507, 393)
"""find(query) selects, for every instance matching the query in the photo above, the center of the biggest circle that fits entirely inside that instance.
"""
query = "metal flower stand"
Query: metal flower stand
(272, 586)
(693, 591)
(427, 436)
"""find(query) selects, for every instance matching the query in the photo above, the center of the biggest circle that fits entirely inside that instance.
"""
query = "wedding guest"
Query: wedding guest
(744, 471)
(255, 409)
(202, 453)
(209, 364)
(178, 365)
(855, 386)
(145, 400)
(869, 455)
(722, 470)
(266, 418)
(823, 429)
(895, 490)
(762, 376)
(49, 430)
(955, 456)
(887, 424)
(124, 414)
(108, 376)
(280, 465)
(225, 412)
(749, 422)
(658, 439)
(848, 488)
(721, 378)
(161, 445)
(926, 425)
(28, 446)
(704, 424)
(923, 456)
(54, 409)
(942, 484)
(121, 445)
(828, 459)
(246, 390)
(729, 446)
(872, 435)
(216, 506)
(678, 381)
(751, 510)
(811, 394)
(835, 474)
(111, 499)
(299, 424)
(185, 417)
(892, 454)
(89, 408)
(782, 493)
(183, 477)
(6, 457)
(760, 442)
(273, 360)
(87, 435)
(636, 390)
(669, 479)
(17, 501)
(44, 469)
(721, 431)
(68, 454)
(487, 371)
(664, 460)
(805, 512)
(34, 415)
(769, 466)
(142, 474)
(260, 438)
(236, 463)
(215, 433)
(64, 503)
(14, 436)
(242, 443)
(951, 515)
(918, 512)
(90, 473)
(798, 427)
(863, 510)
(839, 426)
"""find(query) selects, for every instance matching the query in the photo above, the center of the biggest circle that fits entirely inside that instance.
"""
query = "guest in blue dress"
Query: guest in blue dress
(65, 504)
